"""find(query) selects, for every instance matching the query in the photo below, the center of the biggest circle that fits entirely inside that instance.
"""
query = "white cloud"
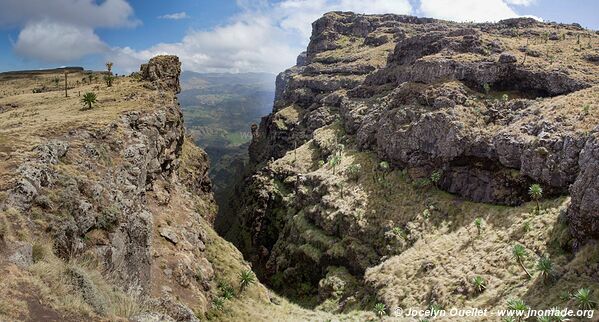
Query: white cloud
(468, 10)
(264, 37)
(110, 13)
(175, 16)
(521, 2)
(63, 30)
(57, 42)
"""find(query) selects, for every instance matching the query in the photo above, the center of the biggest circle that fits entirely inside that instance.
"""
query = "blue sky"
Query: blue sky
(216, 35)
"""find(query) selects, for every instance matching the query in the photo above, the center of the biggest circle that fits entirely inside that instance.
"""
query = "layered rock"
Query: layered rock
(463, 105)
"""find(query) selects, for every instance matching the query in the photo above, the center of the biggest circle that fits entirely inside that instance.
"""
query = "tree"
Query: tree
(246, 278)
(89, 99)
(334, 161)
(109, 67)
(108, 79)
(536, 193)
(519, 253)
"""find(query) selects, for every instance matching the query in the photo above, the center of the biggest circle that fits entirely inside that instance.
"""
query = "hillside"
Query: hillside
(106, 214)
(397, 162)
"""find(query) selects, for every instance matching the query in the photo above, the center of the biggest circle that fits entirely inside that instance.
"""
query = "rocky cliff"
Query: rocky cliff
(394, 131)
(106, 213)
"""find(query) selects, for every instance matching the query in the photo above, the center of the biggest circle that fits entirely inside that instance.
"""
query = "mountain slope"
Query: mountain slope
(346, 204)
(106, 214)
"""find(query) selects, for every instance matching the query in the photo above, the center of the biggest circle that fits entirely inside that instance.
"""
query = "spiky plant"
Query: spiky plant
(478, 222)
(89, 99)
(380, 309)
(218, 303)
(479, 283)
(545, 267)
(353, 171)
(56, 81)
(384, 166)
(436, 176)
(334, 161)
(487, 88)
(583, 299)
(519, 253)
(246, 278)
(109, 79)
(505, 97)
(536, 193)
(109, 67)
(517, 305)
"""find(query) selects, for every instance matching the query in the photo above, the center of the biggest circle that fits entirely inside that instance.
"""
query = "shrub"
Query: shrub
(89, 99)
(436, 176)
(353, 172)
(334, 161)
(479, 283)
(487, 88)
(545, 267)
(108, 79)
(38, 252)
(517, 305)
(478, 222)
(536, 193)
(583, 299)
(218, 303)
(227, 291)
(380, 309)
(246, 278)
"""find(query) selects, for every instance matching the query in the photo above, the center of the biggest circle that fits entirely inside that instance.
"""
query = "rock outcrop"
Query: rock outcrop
(457, 106)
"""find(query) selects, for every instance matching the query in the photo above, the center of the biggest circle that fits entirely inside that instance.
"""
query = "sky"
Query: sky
(217, 35)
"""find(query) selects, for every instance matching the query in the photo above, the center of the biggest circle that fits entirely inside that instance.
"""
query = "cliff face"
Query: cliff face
(384, 113)
(106, 214)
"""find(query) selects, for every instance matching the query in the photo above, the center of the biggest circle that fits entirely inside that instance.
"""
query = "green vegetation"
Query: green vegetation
(246, 278)
(89, 99)
(478, 222)
(517, 305)
(545, 267)
(334, 161)
(436, 176)
(519, 253)
(479, 283)
(380, 309)
(56, 81)
(583, 300)
(487, 88)
(218, 303)
(536, 193)
(353, 172)
(109, 79)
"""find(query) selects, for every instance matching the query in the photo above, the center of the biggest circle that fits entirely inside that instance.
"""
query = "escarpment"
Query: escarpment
(380, 118)
(106, 213)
